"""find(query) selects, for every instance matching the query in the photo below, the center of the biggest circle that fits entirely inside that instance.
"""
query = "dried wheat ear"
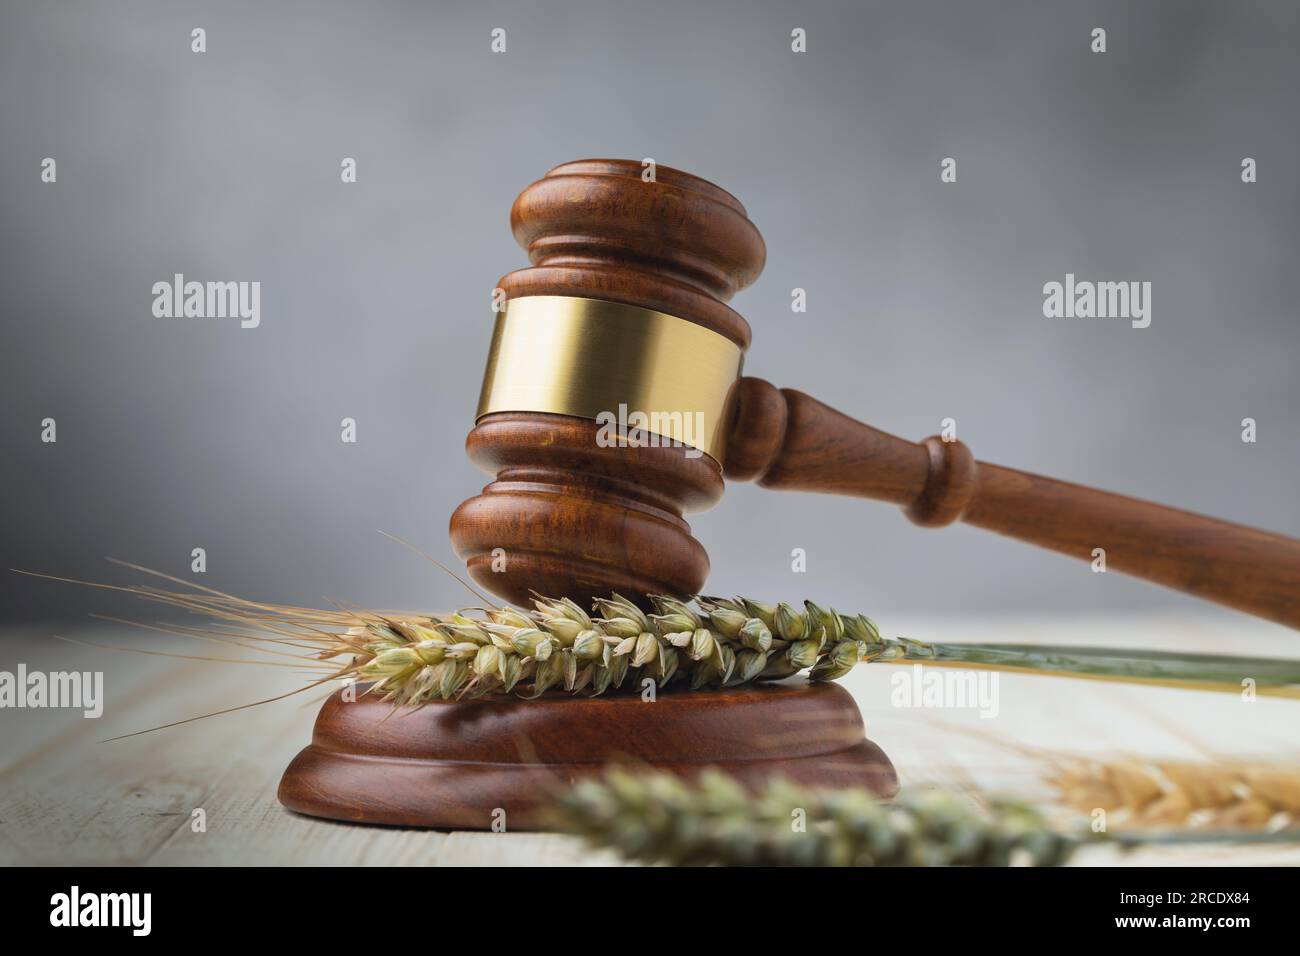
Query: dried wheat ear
(1136, 793)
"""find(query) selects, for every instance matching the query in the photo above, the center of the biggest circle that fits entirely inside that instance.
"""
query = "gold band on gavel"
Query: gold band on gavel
(613, 363)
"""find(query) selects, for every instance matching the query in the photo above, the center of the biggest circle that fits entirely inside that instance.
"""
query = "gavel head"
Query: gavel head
(610, 384)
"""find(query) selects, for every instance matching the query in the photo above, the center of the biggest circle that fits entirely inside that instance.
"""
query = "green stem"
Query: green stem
(1271, 676)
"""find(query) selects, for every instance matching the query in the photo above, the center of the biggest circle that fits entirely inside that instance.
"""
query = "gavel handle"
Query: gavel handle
(788, 440)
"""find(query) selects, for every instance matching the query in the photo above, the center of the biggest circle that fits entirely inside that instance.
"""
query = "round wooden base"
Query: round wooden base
(456, 764)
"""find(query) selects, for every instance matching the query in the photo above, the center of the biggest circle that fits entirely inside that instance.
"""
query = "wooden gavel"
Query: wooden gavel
(620, 328)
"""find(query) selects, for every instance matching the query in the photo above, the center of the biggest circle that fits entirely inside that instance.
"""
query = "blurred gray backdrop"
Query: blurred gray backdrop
(924, 299)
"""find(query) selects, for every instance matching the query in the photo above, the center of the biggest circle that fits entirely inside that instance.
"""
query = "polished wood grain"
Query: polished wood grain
(573, 519)
(462, 764)
(938, 482)
(678, 244)
(565, 516)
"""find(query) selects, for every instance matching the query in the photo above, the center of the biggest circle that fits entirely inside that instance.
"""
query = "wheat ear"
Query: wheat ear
(412, 659)
(1200, 795)
(654, 817)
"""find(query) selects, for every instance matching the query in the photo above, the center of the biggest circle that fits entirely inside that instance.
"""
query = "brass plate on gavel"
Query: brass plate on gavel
(611, 362)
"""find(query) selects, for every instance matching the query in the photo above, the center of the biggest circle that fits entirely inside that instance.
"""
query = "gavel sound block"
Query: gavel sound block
(474, 764)
(623, 313)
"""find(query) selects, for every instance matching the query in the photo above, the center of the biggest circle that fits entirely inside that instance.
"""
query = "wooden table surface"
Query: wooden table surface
(67, 797)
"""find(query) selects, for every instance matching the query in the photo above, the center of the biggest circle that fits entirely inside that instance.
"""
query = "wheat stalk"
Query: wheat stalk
(1198, 795)
(411, 659)
(1274, 677)
(656, 817)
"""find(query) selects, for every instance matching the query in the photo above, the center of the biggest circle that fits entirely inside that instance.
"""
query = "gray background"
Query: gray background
(924, 299)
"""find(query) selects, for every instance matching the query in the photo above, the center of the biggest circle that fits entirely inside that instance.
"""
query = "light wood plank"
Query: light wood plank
(65, 797)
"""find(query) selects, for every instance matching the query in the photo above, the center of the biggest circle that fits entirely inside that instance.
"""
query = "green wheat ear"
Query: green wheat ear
(558, 645)
(716, 642)
(412, 659)
(655, 817)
